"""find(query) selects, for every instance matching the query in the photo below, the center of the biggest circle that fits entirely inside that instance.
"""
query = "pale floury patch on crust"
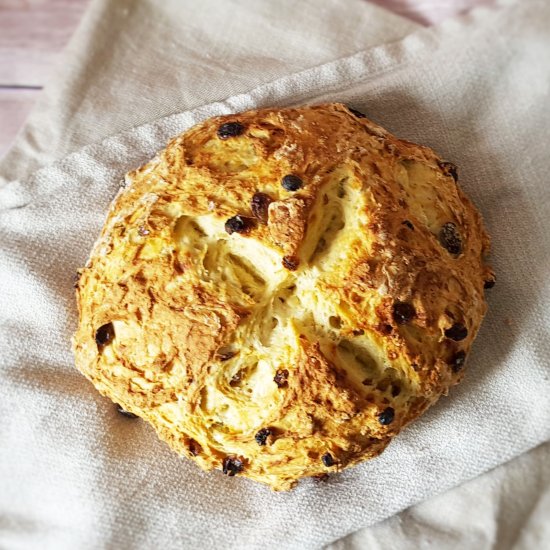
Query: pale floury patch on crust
(292, 333)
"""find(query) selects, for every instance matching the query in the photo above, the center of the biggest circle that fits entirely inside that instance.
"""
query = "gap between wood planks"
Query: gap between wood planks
(32, 33)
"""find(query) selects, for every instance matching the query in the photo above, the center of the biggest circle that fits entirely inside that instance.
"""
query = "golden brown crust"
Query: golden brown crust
(293, 338)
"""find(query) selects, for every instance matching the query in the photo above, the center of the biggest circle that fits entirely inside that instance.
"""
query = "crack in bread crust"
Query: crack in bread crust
(325, 326)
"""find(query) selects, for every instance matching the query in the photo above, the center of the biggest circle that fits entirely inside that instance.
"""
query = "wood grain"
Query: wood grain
(32, 34)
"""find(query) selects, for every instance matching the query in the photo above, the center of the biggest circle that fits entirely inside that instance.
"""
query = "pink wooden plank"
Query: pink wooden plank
(32, 33)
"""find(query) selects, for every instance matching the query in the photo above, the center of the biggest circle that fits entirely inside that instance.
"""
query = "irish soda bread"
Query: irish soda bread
(280, 291)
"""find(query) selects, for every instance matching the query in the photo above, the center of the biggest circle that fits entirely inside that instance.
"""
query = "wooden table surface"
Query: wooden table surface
(32, 35)
(34, 32)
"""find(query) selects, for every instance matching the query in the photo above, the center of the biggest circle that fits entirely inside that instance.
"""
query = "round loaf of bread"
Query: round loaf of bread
(280, 291)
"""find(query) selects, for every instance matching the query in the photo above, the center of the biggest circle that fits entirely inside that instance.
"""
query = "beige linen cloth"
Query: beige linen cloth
(74, 474)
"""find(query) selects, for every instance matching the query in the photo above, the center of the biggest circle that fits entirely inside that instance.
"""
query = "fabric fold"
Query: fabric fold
(133, 61)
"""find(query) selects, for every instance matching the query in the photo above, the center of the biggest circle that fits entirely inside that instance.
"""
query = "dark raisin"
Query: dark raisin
(104, 334)
(76, 278)
(457, 332)
(395, 389)
(262, 435)
(125, 413)
(260, 206)
(449, 169)
(291, 263)
(458, 360)
(408, 224)
(384, 328)
(292, 182)
(403, 312)
(321, 478)
(238, 224)
(194, 447)
(450, 238)
(357, 113)
(328, 460)
(236, 379)
(226, 355)
(490, 283)
(230, 129)
(386, 416)
(281, 378)
(232, 466)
